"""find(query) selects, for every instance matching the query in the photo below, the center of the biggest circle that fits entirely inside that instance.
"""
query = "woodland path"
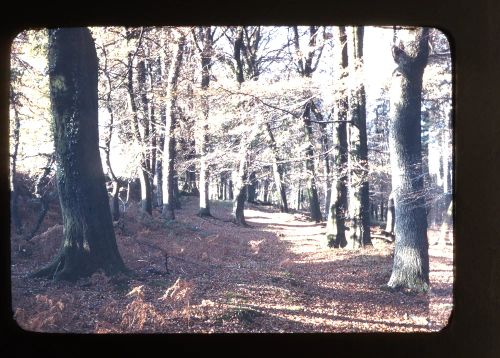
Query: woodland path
(278, 275)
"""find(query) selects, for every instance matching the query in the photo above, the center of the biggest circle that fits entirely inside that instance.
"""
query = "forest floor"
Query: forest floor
(278, 275)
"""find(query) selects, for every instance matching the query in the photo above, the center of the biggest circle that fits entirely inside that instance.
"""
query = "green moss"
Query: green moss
(331, 240)
(58, 83)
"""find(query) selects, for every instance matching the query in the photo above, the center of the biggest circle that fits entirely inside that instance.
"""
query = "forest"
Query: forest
(217, 179)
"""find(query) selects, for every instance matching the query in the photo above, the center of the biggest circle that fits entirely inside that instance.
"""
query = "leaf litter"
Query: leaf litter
(207, 275)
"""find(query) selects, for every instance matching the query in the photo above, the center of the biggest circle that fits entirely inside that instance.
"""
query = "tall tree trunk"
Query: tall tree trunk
(312, 191)
(240, 189)
(306, 68)
(115, 204)
(326, 169)
(325, 157)
(14, 212)
(169, 153)
(389, 224)
(411, 257)
(277, 171)
(238, 213)
(89, 241)
(206, 63)
(160, 160)
(338, 207)
(229, 189)
(358, 153)
(146, 197)
(251, 188)
(143, 171)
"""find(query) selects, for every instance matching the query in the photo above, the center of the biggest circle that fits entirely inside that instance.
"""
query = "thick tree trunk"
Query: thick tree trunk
(411, 257)
(89, 241)
(338, 208)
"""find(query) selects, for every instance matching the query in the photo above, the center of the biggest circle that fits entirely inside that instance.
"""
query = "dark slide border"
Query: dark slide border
(473, 28)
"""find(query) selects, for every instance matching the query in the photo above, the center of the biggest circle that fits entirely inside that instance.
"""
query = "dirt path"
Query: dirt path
(276, 276)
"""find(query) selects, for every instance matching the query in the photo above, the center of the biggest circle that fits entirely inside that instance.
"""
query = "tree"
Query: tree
(168, 189)
(89, 241)
(411, 257)
(204, 40)
(117, 184)
(338, 207)
(277, 171)
(306, 67)
(16, 219)
(138, 123)
(238, 213)
(359, 203)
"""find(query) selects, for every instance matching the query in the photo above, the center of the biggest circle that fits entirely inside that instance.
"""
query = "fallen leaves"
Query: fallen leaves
(277, 276)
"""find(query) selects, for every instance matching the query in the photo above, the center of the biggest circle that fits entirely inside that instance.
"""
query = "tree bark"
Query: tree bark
(277, 171)
(338, 208)
(14, 212)
(251, 187)
(159, 159)
(206, 64)
(306, 68)
(411, 257)
(143, 172)
(389, 225)
(115, 204)
(169, 153)
(240, 189)
(89, 241)
(312, 191)
(359, 205)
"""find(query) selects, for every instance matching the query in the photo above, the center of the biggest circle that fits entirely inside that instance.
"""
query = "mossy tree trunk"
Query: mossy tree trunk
(411, 257)
(89, 241)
